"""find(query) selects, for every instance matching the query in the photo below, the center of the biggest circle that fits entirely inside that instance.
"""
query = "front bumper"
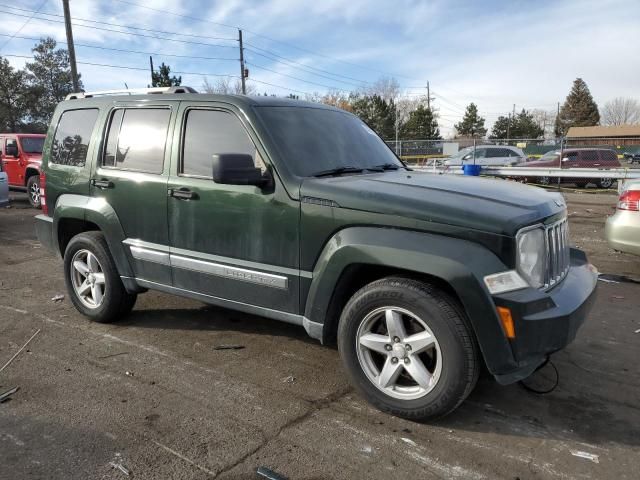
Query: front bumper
(546, 322)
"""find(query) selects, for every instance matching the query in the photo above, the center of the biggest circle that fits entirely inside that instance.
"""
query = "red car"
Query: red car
(600, 158)
(21, 156)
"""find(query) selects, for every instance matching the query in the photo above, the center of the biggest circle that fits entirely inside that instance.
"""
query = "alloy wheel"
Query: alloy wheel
(34, 193)
(87, 278)
(606, 182)
(398, 353)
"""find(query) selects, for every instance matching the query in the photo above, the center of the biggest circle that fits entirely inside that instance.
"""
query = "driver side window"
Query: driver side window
(210, 132)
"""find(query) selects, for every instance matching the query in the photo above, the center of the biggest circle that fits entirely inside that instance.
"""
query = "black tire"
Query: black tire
(33, 191)
(446, 320)
(605, 183)
(116, 302)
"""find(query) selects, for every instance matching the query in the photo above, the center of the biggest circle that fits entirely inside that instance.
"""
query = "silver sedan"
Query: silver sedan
(4, 189)
(623, 228)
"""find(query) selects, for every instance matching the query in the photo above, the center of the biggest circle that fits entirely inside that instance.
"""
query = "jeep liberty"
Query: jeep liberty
(299, 212)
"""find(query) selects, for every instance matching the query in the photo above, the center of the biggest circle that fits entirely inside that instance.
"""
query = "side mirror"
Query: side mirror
(236, 169)
(11, 150)
(565, 159)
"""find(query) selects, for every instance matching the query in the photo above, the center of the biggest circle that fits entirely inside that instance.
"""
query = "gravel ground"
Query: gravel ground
(151, 393)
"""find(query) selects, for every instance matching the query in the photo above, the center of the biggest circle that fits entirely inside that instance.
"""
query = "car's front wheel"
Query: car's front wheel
(92, 279)
(407, 348)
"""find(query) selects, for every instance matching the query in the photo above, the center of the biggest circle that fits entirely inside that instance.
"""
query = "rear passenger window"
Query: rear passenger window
(209, 132)
(136, 139)
(71, 141)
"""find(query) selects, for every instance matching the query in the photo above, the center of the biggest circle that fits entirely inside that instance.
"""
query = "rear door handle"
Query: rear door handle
(183, 194)
(102, 183)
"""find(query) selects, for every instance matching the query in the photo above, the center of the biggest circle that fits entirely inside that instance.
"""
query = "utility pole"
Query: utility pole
(242, 72)
(508, 127)
(70, 46)
(151, 67)
(428, 97)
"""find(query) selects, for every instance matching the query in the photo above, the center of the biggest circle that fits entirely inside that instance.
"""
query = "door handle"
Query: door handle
(102, 183)
(183, 194)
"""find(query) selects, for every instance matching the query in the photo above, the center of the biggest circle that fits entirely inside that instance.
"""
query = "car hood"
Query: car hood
(495, 206)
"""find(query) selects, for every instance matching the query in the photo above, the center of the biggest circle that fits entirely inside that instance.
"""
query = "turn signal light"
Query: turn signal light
(629, 200)
(507, 322)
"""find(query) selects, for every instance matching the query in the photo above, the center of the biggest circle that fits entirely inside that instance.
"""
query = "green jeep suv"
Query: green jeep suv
(299, 212)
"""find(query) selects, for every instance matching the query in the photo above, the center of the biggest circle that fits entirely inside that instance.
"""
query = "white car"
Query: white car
(487, 155)
(4, 189)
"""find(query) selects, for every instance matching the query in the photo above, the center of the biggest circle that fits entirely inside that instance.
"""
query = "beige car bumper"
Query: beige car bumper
(623, 231)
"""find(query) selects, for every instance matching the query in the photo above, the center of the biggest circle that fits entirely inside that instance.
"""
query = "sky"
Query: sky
(493, 53)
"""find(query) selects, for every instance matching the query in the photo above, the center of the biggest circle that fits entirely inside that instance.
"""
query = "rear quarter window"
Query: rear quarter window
(71, 140)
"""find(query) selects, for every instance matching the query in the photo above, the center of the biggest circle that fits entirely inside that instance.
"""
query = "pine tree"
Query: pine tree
(49, 79)
(522, 125)
(472, 124)
(376, 112)
(579, 109)
(421, 125)
(162, 78)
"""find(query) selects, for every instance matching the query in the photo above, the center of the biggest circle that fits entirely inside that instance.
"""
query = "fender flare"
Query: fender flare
(460, 263)
(97, 211)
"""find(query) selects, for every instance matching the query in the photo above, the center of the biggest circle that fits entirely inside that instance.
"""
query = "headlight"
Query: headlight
(531, 255)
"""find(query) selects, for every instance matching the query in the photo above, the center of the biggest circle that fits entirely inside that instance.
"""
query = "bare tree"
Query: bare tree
(387, 88)
(621, 111)
(545, 119)
(227, 86)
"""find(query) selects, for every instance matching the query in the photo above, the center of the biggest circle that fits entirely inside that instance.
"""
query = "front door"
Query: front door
(131, 176)
(235, 242)
(13, 166)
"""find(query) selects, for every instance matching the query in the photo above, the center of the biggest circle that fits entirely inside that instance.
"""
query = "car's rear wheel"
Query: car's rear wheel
(33, 190)
(407, 348)
(92, 279)
(605, 182)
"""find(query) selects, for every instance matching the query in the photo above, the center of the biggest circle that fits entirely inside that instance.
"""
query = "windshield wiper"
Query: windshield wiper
(387, 166)
(338, 171)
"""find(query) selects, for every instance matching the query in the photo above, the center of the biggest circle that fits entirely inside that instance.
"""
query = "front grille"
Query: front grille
(557, 246)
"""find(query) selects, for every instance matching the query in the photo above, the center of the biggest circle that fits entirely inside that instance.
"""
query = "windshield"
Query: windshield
(552, 155)
(32, 144)
(315, 140)
(461, 153)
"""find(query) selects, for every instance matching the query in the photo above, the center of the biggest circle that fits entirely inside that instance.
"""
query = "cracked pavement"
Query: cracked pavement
(152, 395)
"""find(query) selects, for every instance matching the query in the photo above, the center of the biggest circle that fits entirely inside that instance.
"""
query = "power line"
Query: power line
(85, 45)
(264, 36)
(93, 27)
(295, 78)
(203, 74)
(23, 25)
(119, 25)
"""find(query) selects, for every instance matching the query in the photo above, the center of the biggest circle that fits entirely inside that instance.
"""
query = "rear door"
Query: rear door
(131, 175)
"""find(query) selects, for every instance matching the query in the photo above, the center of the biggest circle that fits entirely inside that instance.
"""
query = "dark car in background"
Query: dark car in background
(632, 157)
(600, 158)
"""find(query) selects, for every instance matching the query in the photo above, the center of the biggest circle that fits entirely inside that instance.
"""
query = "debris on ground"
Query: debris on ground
(264, 472)
(18, 352)
(617, 297)
(57, 298)
(5, 396)
(128, 373)
(637, 331)
(120, 467)
(289, 379)
(228, 347)
(586, 455)
(606, 280)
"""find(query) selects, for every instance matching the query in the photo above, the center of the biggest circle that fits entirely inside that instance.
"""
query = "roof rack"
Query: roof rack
(132, 91)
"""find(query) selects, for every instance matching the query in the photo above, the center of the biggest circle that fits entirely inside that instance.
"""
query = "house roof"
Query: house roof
(601, 131)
